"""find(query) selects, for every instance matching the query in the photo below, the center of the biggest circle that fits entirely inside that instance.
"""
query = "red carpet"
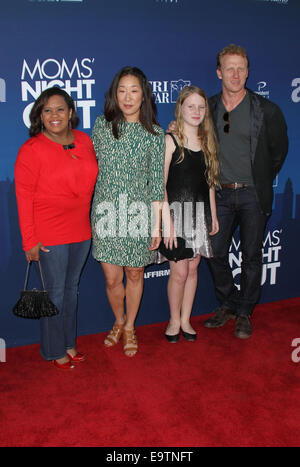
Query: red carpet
(218, 391)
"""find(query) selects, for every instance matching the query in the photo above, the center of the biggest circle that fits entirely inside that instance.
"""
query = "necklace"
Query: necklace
(70, 146)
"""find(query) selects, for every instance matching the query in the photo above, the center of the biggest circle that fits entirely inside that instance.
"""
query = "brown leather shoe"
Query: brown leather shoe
(243, 327)
(220, 318)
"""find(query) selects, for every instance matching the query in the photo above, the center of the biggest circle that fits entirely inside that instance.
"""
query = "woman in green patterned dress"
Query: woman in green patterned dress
(126, 209)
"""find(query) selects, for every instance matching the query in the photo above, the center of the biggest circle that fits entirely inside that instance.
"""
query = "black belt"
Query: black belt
(233, 186)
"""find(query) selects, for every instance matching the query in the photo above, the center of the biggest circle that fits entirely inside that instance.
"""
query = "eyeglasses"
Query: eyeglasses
(227, 124)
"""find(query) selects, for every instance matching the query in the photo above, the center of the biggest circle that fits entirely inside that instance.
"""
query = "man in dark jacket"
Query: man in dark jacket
(253, 144)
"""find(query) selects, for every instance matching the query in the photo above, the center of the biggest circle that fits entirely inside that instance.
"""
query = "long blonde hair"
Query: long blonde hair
(206, 134)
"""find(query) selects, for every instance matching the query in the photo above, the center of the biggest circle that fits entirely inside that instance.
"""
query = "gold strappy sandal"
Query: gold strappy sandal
(130, 344)
(114, 335)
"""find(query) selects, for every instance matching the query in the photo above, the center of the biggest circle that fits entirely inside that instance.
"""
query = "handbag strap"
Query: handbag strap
(27, 275)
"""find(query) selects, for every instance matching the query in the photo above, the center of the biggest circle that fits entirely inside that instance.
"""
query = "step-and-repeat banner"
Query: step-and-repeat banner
(79, 45)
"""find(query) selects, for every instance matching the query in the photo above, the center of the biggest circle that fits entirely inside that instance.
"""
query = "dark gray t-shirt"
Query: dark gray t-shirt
(235, 162)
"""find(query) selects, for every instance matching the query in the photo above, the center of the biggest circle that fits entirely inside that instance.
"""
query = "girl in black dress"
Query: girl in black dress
(189, 211)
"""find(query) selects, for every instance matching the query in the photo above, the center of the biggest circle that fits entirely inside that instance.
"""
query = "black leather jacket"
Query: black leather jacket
(268, 144)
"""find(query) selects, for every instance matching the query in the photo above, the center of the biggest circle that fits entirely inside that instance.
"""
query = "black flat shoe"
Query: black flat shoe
(188, 337)
(172, 339)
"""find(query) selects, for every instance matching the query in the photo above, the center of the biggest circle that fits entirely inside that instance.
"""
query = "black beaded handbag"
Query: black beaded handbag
(176, 254)
(34, 304)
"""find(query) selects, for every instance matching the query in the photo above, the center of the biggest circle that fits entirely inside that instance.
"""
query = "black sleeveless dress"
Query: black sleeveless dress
(188, 196)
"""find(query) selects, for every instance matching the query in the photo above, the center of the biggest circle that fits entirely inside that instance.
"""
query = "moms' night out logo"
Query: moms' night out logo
(75, 77)
(271, 258)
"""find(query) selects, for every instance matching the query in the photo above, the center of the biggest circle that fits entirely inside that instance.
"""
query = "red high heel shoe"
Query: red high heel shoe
(64, 366)
(78, 358)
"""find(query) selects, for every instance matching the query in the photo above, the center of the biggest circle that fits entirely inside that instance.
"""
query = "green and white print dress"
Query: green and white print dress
(131, 177)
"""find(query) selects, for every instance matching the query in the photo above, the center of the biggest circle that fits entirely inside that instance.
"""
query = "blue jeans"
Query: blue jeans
(61, 269)
(235, 208)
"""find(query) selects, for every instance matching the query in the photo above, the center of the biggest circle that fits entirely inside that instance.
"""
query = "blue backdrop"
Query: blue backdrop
(80, 45)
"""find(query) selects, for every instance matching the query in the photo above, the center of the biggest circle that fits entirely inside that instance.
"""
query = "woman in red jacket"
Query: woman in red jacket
(55, 174)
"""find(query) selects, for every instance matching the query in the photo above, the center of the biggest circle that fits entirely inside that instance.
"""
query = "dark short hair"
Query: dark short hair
(232, 49)
(35, 114)
(148, 111)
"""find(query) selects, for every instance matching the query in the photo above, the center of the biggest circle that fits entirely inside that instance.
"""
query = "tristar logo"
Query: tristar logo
(75, 78)
(166, 92)
(2, 90)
